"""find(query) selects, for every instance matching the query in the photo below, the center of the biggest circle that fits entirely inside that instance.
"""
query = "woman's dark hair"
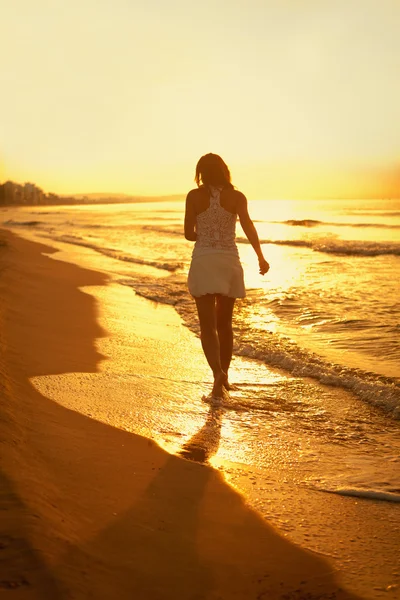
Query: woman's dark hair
(211, 170)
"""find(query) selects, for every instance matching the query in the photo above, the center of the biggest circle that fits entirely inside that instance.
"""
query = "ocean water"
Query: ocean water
(330, 305)
(325, 321)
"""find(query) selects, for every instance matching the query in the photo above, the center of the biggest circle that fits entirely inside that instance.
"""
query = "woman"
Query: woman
(216, 276)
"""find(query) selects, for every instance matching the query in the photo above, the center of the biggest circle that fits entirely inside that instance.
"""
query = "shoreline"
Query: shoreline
(95, 511)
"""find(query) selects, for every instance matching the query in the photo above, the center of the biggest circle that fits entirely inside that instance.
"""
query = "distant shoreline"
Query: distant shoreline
(94, 202)
(29, 194)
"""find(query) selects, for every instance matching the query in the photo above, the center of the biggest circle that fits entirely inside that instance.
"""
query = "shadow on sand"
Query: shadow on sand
(205, 443)
(108, 514)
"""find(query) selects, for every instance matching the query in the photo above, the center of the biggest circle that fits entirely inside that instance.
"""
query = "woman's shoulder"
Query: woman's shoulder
(196, 192)
(236, 195)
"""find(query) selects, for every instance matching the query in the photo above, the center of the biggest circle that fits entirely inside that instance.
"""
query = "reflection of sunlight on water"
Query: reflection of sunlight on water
(285, 275)
(260, 318)
(284, 271)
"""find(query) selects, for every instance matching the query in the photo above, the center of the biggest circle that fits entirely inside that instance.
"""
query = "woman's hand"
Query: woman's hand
(264, 266)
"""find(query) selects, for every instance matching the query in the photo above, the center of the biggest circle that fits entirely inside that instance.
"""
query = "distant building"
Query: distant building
(29, 194)
(12, 193)
(33, 194)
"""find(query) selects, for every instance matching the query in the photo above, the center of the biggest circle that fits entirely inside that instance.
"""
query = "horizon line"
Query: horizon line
(133, 196)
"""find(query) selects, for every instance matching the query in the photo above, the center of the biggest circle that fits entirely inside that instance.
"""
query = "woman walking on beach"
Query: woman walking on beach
(216, 276)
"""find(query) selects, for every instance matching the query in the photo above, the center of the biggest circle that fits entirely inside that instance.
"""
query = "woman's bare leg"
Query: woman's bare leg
(209, 339)
(225, 334)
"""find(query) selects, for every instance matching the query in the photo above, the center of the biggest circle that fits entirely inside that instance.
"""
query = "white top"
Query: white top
(215, 228)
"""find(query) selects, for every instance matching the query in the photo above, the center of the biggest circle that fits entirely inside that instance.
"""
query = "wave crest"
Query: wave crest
(338, 247)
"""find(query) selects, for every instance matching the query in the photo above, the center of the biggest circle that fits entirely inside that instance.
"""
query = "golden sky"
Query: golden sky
(301, 98)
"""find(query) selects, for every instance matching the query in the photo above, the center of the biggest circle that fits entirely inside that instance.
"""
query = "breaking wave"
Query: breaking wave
(117, 254)
(11, 223)
(338, 247)
(316, 223)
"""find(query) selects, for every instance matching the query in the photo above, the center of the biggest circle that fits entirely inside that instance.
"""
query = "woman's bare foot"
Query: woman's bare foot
(227, 385)
(219, 384)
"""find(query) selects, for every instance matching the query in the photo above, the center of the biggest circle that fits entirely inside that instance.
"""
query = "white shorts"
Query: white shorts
(216, 273)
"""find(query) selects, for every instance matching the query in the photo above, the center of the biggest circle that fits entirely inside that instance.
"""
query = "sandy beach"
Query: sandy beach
(90, 510)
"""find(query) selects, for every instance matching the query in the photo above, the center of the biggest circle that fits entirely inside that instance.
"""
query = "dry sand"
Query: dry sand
(91, 511)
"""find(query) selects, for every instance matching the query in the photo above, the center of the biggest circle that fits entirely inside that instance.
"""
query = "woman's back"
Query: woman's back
(228, 199)
(216, 217)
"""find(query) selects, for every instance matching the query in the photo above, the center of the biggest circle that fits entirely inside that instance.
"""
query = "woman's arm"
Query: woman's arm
(190, 218)
(251, 232)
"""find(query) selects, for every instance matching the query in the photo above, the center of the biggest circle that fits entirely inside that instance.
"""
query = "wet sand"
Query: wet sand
(92, 511)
